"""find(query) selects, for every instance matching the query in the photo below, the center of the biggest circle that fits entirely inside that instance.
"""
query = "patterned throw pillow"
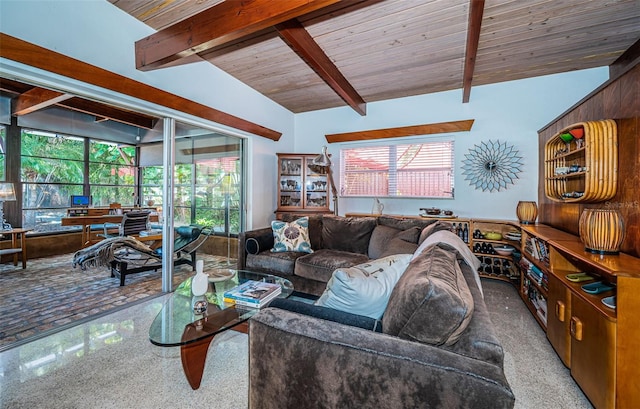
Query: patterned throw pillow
(292, 236)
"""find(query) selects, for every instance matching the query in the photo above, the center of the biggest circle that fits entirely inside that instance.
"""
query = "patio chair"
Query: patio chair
(125, 255)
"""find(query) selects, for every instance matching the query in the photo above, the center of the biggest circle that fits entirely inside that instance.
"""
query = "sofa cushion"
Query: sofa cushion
(320, 264)
(386, 241)
(380, 237)
(328, 314)
(350, 234)
(402, 243)
(431, 302)
(291, 236)
(434, 227)
(280, 263)
(364, 289)
(478, 341)
(404, 223)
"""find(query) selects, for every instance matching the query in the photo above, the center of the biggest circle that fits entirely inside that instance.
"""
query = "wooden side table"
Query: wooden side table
(16, 249)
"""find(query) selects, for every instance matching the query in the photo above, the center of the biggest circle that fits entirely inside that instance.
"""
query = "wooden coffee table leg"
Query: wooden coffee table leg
(194, 356)
(242, 327)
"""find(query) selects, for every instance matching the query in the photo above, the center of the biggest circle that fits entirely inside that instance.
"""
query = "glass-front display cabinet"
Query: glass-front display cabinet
(302, 186)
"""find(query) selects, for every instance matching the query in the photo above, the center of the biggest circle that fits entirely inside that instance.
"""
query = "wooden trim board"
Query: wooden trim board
(33, 55)
(425, 129)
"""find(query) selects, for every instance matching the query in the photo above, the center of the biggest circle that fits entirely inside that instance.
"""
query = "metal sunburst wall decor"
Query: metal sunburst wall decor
(491, 165)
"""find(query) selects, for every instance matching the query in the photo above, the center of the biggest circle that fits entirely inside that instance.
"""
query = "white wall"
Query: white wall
(511, 112)
(99, 33)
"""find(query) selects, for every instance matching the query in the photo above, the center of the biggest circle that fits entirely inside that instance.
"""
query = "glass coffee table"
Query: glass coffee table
(178, 325)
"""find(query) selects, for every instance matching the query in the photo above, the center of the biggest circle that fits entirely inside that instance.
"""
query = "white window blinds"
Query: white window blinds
(410, 170)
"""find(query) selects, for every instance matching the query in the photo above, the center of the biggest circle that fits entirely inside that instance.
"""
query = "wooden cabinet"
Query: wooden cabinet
(593, 352)
(598, 343)
(583, 168)
(558, 319)
(300, 189)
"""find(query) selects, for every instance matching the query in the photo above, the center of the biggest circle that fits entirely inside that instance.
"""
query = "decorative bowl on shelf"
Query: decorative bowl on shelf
(448, 212)
(577, 133)
(566, 137)
(433, 211)
(504, 250)
(492, 235)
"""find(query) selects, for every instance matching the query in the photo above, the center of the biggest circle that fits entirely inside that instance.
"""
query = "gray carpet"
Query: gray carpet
(109, 363)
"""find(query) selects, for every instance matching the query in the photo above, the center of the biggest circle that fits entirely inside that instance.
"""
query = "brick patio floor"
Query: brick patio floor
(50, 295)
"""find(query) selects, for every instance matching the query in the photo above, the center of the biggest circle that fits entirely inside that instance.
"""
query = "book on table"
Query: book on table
(253, 293)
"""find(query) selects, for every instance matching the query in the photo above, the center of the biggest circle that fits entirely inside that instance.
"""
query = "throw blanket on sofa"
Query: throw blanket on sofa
(452, 240)
(115, 249)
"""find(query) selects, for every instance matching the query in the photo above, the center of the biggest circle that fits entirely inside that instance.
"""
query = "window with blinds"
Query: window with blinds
(411, 170)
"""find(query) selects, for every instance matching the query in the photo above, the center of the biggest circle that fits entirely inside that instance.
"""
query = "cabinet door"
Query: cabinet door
(291, 182)
(316, 187)
(558, 319)
(593, 353)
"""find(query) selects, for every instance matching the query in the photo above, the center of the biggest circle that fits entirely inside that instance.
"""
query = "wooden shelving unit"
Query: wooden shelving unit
(583, 169)
(495, 265)
(596, 342)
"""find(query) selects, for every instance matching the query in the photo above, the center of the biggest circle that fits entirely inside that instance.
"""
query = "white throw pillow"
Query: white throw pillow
(364, 289)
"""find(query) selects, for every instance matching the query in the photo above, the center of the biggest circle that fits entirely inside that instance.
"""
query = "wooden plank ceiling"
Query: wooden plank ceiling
(387, 49)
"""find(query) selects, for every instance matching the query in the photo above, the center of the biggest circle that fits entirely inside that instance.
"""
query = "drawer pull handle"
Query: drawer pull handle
(576, 328)
(560, 311)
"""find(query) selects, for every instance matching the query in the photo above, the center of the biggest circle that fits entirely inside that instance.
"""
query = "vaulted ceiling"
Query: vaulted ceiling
(314, 54)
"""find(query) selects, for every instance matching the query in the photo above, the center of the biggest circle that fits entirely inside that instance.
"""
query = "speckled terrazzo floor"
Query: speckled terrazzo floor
(109, 363)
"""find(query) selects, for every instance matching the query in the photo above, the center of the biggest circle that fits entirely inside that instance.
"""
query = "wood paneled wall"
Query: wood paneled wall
(620, 100)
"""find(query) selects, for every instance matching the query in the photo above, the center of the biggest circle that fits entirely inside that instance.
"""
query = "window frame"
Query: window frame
(84, 187)
(388, 169)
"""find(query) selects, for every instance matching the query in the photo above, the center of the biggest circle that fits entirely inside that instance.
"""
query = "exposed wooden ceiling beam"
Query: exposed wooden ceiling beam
(295, 35)
(329, 12)
(36, 99)
(217, 25)
(473, 37)
(39, 57)
(425, 129)
(39, 98)
(103, 112)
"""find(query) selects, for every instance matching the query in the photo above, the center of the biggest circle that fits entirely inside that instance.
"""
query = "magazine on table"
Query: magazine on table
(253, 293)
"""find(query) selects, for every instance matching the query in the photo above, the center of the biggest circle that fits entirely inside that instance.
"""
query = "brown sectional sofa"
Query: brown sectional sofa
(337, 242)
(434, 347)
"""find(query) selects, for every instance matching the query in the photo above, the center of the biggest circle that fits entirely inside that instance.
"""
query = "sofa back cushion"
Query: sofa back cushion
(434, 227)
(349, 234)
(431, 303)
(404, 223)
(386, 241)
(315, 227)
